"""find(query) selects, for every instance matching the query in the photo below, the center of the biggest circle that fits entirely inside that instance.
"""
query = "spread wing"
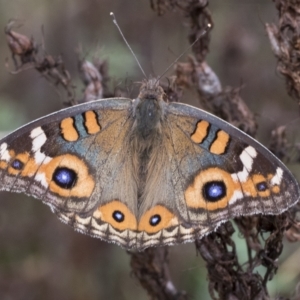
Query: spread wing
(207, 172)
(77, 161)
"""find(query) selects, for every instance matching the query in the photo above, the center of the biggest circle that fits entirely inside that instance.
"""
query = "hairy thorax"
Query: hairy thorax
(147, 135)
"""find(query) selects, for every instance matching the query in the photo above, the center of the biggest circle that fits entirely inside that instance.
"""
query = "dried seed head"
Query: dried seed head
(89, 73)
(19, 44)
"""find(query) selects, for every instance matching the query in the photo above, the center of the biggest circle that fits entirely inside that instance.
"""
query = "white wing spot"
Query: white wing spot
(41, 177)
(236, 196)
(4, 154)
(247, 159)
(36, 132)
(251, 151)
(40, 157)
(38, 140)
(276, 179)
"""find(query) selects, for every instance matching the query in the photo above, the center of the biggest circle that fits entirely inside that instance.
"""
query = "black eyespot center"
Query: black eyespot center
(155, 220)
(64, 177)
(262, 186)
(214, 190)
(17, 164)
(118, 216)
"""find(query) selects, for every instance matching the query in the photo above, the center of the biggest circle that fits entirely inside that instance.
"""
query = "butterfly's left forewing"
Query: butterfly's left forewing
(78, 162)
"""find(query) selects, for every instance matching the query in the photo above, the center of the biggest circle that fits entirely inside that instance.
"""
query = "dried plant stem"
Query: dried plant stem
(151, 268)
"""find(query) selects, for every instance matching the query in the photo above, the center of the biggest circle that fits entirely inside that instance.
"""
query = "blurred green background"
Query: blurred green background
(42, 258)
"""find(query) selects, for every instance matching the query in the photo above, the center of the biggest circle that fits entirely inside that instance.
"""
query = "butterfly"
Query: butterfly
(144, 172)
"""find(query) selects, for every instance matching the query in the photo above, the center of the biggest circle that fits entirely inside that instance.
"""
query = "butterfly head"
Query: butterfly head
(151, 89)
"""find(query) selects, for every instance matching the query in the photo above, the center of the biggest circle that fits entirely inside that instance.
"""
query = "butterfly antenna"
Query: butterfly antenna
(204, 31)
(116, 23)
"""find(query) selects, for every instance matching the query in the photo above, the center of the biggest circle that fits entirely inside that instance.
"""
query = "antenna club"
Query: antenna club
(113, 16)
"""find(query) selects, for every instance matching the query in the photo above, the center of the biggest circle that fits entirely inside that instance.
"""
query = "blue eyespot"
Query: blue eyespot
(214, 191)
(155, 220)
(118, 216)
(262, 186)
(64, 178)
(17, 164)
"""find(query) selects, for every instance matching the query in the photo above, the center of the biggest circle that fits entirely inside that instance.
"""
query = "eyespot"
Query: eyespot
(155, 220)
(214, 191)
(64, 177)
(17, 164)
(118, 216)
(262, 186)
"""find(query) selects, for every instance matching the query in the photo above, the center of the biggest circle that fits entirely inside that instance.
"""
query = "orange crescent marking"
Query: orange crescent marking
(220, 143)
(91, 122)
(3, 164)
(68, 130)
(105, 213)
(13, 171)
(200, 132)
(167, 219)
(276, 189)
(30, 168)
